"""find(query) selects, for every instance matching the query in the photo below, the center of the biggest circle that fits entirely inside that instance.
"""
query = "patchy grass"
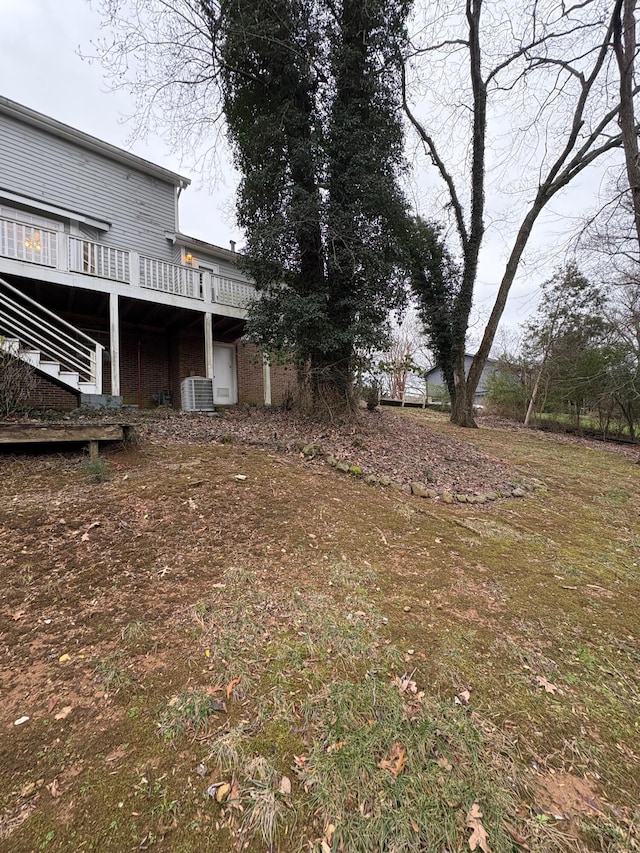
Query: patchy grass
(273, 663)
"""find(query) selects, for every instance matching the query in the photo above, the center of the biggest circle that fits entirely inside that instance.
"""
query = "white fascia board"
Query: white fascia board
(59, 212)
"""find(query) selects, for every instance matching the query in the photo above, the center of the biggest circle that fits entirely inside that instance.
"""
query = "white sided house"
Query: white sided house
(100, 291)
(437, 387)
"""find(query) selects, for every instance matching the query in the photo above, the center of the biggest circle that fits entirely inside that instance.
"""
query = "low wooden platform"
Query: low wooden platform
(90, 433)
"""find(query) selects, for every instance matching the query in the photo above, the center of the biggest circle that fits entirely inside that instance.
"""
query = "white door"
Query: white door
(225, 388)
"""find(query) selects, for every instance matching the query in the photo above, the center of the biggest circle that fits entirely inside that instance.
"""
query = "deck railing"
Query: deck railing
(230, 291)
(171, 278)
(97, 259)
(28, 243)
(45, 247)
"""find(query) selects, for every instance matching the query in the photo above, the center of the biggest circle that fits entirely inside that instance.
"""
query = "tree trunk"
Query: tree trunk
(462, 403)
(331, 381)
(624, 43)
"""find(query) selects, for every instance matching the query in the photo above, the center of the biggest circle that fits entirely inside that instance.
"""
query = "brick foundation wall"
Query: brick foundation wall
(284, 383)
(49, 395)
(250, 377)
(164, 361)
(187, 359)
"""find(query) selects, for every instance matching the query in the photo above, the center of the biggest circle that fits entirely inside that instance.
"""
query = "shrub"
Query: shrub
(17, 383)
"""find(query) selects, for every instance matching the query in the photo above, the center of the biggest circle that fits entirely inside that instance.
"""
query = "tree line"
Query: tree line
(577, 359)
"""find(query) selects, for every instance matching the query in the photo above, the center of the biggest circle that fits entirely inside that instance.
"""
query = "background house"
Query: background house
(100, 290)
(437, 387)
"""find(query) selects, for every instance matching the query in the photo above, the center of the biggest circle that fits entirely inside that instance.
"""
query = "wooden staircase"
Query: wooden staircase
(48, 343)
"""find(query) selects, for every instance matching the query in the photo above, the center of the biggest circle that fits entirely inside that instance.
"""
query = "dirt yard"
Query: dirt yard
(217, 640)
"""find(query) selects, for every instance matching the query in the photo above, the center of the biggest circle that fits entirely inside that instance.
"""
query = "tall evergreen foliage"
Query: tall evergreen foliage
(312, 102)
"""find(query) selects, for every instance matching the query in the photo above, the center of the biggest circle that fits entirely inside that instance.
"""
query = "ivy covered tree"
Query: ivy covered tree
(312, 102)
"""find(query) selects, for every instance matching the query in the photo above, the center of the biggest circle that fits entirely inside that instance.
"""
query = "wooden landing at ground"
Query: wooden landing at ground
(91, 434)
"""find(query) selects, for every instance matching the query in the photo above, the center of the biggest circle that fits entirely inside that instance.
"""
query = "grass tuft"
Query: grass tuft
(420, 803)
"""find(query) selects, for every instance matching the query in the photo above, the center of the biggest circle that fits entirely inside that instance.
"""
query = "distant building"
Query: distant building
(436, 387)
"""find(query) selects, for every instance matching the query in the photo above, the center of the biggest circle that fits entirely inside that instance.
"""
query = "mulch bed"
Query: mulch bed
(381, 443)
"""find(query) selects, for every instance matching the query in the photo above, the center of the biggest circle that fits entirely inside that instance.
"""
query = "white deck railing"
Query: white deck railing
(28, 243)
(230, 291)
(46, 247)
(96, 259)
(171, 278)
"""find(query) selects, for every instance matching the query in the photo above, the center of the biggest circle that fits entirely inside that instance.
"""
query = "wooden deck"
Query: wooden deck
(91, 434)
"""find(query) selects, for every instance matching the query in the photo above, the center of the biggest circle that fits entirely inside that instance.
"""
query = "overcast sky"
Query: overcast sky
(40, 67)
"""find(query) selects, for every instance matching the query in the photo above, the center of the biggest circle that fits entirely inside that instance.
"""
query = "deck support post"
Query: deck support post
(266, 379)
(114, 344)
(208, 345)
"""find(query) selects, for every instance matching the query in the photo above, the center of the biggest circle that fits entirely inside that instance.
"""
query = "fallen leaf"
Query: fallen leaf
(445, 764)
(285, 786)
(240, 477)
(336, 747)
(223, 792)
(116, 754)
(463, 698)
(18, 615)
(233, 799)
(27, 790)
(20, 721)
(396, 761)
(414, 826)
(406, 684)
(478, 837)
(541, 681)
(231, 685)
(63, 658)
(54, 789)
(520, 841)
(192, 504)
(63, 713)
(52, 704)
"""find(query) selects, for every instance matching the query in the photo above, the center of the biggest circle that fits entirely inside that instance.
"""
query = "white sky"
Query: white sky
(40, 67)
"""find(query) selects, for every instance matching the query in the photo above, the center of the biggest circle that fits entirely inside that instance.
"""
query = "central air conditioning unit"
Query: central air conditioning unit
(196, 394)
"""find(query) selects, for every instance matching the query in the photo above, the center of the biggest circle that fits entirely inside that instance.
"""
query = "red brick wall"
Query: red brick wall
(153, 352)
(284, 383)
(250, 378)
(49, 395)
(187, 359)
(249, 369)
(164, 361)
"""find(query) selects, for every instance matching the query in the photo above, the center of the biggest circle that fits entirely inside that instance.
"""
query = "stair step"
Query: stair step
(31, 356)
(51, 368)
(69, 377)
(87, 387)
(11, 345)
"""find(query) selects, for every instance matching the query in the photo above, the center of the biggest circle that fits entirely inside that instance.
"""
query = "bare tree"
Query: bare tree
(537, 82)
(625, 47)
(405, 359)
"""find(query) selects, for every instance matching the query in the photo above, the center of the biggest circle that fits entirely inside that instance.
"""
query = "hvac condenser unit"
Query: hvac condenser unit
(197, 394)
